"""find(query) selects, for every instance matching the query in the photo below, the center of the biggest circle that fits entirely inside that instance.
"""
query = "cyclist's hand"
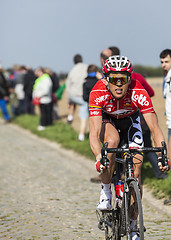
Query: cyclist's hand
(99, 167)
(100, 164)
(164, 166)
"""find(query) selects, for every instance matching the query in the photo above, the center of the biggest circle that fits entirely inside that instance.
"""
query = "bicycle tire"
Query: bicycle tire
(116, 226)
(108, 217)
(123, 215)
(136, 208)
(113, 232)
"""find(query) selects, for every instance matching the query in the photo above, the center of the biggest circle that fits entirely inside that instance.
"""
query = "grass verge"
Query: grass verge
(65, 135)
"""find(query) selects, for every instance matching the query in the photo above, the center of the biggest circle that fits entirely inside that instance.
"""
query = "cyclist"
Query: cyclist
(114, 117)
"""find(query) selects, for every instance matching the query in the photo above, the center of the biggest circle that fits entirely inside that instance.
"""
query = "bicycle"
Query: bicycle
(116, 222)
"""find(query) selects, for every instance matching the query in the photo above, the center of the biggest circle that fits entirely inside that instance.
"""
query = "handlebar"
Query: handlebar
(106, 150)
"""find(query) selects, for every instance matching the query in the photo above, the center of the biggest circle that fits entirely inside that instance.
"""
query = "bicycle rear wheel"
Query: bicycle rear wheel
(107, 224)
(112, 232)
(135, 210)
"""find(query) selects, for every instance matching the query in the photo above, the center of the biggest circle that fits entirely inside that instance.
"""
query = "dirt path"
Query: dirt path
(45, 192)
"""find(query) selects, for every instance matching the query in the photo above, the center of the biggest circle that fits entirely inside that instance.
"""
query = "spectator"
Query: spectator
(90, 81)
(151, 156)
(104, 55)
(4, 96)
(19, 88)
(29, 79)
(55, 87)
(115, 50)
(74, 89)
(13, 101)
(165, 58)
(42, 89)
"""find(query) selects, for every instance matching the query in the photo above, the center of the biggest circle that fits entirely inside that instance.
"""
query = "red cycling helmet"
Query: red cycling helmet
(117, 63)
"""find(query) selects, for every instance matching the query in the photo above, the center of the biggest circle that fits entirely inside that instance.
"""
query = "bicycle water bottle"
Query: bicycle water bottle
(119, 193)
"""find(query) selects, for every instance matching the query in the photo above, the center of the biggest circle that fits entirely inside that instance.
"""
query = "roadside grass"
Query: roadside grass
(59, 132)
(65, 135)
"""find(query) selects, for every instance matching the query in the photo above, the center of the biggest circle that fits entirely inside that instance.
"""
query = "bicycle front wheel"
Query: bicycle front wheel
(135, 210)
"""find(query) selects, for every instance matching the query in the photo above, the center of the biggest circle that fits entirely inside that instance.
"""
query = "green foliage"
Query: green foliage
(64, 134)
(148, 71)
(160, 187)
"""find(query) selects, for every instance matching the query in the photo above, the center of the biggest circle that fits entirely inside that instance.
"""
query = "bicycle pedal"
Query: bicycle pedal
(137, 230)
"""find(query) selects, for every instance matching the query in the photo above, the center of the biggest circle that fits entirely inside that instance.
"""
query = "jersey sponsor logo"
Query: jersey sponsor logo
(141, 99)
(95, 113)
(135, 134)
(101, 99)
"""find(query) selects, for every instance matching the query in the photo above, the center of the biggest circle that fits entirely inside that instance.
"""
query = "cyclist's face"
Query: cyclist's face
(118, 84)
(166, 63)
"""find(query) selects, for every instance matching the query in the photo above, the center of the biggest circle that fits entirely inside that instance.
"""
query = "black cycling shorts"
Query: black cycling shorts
(129, 129)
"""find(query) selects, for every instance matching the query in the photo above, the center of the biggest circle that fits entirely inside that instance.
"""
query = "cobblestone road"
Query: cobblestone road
(45, 192)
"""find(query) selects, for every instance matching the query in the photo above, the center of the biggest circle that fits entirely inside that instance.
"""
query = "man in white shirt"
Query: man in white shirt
(74, 89)
(165, 58)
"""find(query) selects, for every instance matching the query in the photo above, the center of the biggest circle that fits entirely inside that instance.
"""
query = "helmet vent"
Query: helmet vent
(116, 64)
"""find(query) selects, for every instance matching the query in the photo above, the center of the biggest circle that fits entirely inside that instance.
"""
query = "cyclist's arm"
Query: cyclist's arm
(95, 124)
(156, 132)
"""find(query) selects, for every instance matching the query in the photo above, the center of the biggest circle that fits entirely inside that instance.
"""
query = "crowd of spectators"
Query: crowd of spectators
(16, 89)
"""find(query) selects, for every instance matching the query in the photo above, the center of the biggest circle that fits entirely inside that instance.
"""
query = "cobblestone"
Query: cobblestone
(45, 192)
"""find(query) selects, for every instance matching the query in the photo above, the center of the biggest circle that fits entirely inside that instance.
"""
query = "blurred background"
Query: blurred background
(50, 32)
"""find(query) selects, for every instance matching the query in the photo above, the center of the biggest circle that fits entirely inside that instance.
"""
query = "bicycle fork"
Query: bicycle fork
(127, 220)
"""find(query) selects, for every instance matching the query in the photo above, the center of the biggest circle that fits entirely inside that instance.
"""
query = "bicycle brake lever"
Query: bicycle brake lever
(104, 150)
(164, 154)
(104, 161)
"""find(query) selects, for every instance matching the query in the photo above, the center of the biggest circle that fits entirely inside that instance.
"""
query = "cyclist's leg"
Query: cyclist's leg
(109, 134)
(138, 160)
(135, 139)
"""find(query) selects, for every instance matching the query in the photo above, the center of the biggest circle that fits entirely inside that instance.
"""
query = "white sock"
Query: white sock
(106, 187)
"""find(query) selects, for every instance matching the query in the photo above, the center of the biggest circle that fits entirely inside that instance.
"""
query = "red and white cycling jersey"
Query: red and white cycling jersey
(136, 98)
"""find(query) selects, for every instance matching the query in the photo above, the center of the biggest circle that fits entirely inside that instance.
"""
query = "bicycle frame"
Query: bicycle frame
(129, 180)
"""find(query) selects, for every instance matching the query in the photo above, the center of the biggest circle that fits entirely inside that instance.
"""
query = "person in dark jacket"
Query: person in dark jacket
(55, 86)
(4, 96)
(29, 80)
(93, 76)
